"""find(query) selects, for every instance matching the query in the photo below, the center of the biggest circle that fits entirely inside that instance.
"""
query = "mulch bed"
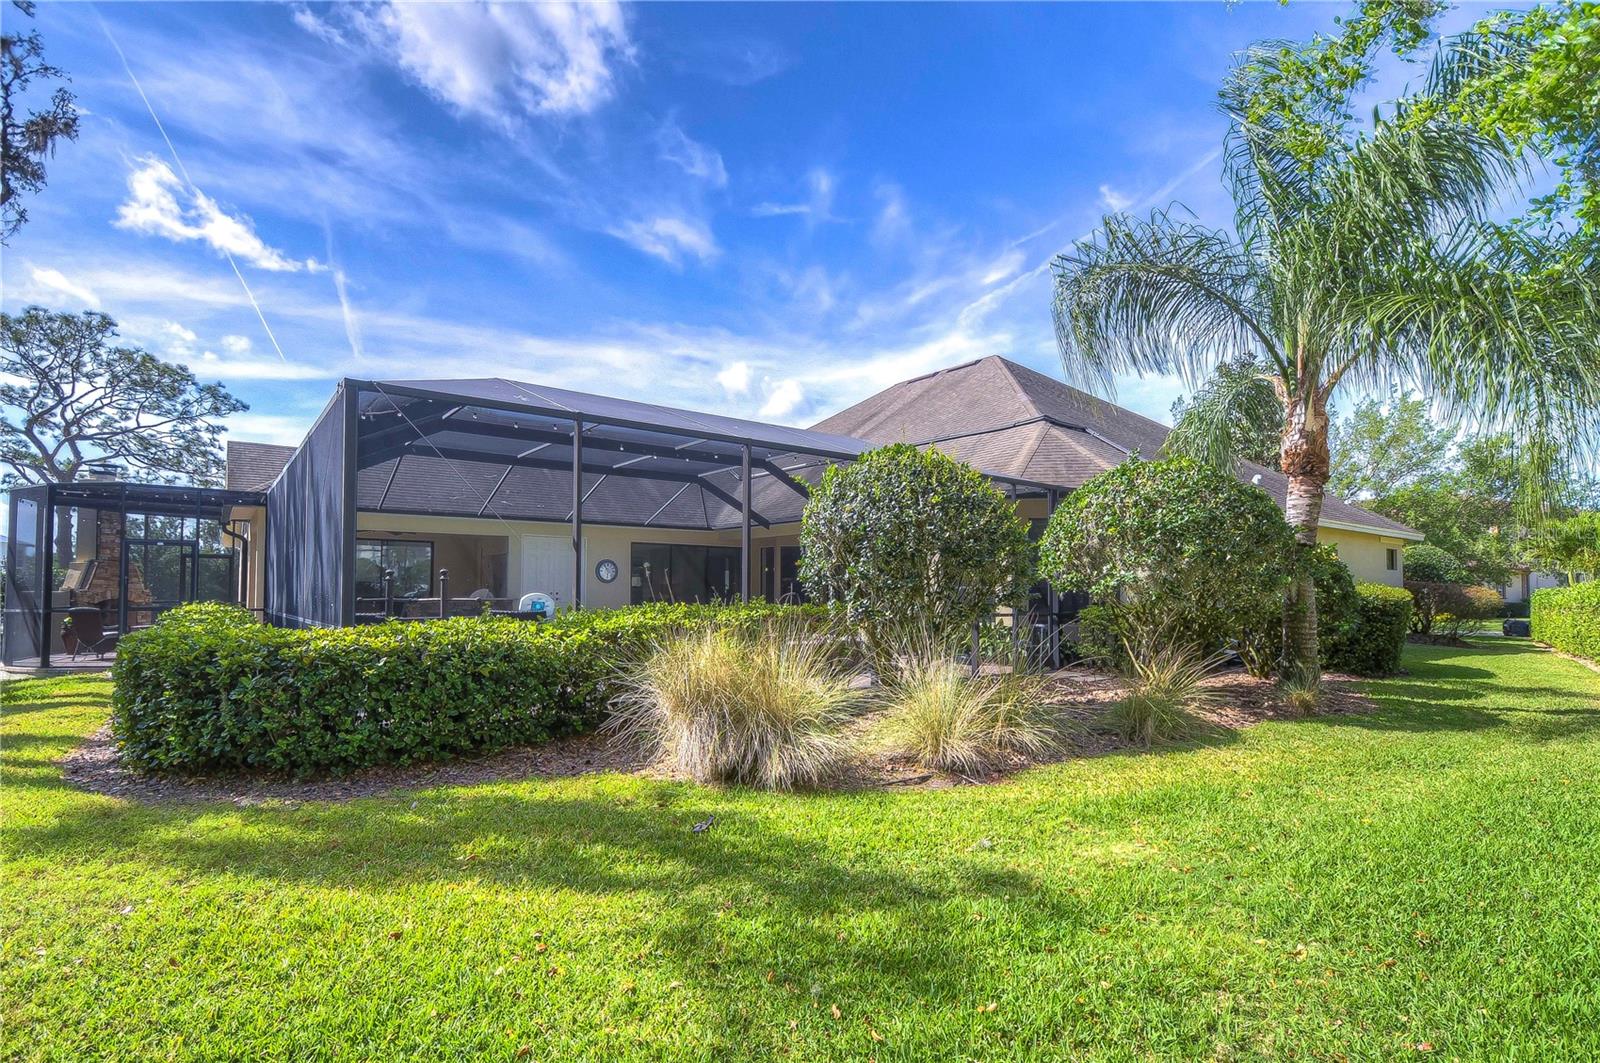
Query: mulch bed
(1081, 696)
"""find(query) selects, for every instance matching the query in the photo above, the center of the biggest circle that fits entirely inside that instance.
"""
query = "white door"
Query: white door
(547, 566)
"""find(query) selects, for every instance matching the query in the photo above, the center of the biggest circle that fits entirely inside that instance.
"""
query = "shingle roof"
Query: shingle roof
(1009, 419)
(253, 466)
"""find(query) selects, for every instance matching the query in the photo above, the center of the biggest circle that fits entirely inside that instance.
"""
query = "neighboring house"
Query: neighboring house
(496, 481)
(1525, 580)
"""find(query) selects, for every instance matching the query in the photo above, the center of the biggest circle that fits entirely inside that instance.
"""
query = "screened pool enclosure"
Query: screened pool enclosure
(435, 498)
(87, 561)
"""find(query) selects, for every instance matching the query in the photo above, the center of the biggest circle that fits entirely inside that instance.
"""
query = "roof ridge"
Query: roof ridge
(1007, 366)
(1098, 400)
(1038, 440)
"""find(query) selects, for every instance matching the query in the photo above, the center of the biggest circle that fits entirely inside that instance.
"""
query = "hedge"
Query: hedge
(209, 688)
(1371, 644)
(1568, 618)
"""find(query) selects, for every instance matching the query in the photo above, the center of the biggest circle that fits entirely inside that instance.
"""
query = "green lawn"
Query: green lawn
(1337, 887)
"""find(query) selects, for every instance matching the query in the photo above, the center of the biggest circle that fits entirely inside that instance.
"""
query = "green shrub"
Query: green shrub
(208, 688)
(1426, 563)
(1568, 618)
(1372, 643)
(911, 540)
(1451, 609)
(1260, 645)
(760, 709)
(1175, 544)
(950, 720)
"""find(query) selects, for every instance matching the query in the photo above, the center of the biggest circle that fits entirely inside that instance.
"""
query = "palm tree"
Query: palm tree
(1570, 547)
(1370, 266)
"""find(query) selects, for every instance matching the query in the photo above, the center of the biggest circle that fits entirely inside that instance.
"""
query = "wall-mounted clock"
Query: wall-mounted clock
(606, 570)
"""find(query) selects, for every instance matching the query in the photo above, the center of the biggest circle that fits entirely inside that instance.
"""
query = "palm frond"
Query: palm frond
(1160, 295)
(1238, 405)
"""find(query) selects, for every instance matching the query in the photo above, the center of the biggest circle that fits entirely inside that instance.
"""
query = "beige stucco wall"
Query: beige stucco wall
(1366, 554)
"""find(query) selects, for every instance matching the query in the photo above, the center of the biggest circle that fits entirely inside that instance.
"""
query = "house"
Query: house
(429, 496)
(1525, 580)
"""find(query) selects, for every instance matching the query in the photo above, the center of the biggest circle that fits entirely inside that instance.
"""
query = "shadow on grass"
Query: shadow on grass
(635, 856)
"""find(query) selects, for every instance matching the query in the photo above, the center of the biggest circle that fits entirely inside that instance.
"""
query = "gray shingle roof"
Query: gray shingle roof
(253, 466)
(1009, 419)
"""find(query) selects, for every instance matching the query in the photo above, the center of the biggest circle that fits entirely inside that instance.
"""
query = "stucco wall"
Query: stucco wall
(1366, 554)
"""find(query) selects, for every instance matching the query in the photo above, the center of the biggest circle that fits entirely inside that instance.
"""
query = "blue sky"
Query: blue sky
(765, 210)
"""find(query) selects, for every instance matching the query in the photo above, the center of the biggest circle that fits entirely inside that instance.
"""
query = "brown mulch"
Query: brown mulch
(1080, 696)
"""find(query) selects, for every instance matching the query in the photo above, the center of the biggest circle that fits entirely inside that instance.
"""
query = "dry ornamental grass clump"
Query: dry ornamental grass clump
(949, 720)
(763, 710)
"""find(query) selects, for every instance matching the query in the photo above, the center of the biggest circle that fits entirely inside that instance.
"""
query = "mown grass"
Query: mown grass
(1333, 887)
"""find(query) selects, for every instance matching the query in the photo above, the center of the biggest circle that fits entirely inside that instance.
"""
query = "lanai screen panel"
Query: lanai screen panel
(27, 574)
(311, 528)
(501, 449)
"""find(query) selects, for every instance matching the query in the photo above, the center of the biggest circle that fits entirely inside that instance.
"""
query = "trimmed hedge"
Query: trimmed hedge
(1568, 618)
(1371, 644)
(209, 688)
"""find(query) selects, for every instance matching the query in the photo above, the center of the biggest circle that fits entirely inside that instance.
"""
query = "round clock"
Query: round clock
(606, 570)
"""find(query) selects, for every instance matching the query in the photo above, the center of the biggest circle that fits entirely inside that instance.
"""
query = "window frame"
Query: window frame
(383, 546)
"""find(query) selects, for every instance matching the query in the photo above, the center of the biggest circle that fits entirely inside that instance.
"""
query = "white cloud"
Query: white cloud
(1114, 200)
(269, 427)
(669, 238)
(694, 158)
(347, 312)
(156, 206)
(236, 345)
(209, 366)
(735, 379)
(1003, 267)
(893, 221)
(782, 398)
(55, 280)
(818, 205)
(321, 28)
(181, 334)
(502, 61)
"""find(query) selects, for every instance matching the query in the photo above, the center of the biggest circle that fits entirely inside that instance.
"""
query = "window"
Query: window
(671, 573)
(1392, 559)
(410, 561)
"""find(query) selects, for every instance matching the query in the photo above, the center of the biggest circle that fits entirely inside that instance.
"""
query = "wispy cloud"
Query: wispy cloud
(817, 206)
(53, 281)
(1113, 200)
(504, 61)
(694, 158)
(160, 204)
(669, 238)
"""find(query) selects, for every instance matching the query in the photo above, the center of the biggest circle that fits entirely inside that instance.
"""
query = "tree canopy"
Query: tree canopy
(1362, 255)
(70, 395)
(27, 137)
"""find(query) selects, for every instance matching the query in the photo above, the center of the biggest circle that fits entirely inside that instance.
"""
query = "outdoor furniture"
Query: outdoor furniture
(84, 632)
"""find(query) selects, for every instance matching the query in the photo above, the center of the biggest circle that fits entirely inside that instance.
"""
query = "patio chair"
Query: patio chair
(86, 625)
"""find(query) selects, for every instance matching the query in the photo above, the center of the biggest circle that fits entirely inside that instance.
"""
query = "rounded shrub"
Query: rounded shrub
(911, 540)
(1174, 544)
(1425, 563)
(1372, 642)
(1261, 643)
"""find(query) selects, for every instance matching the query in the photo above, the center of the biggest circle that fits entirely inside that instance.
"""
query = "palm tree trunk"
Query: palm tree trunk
(1304, 455)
